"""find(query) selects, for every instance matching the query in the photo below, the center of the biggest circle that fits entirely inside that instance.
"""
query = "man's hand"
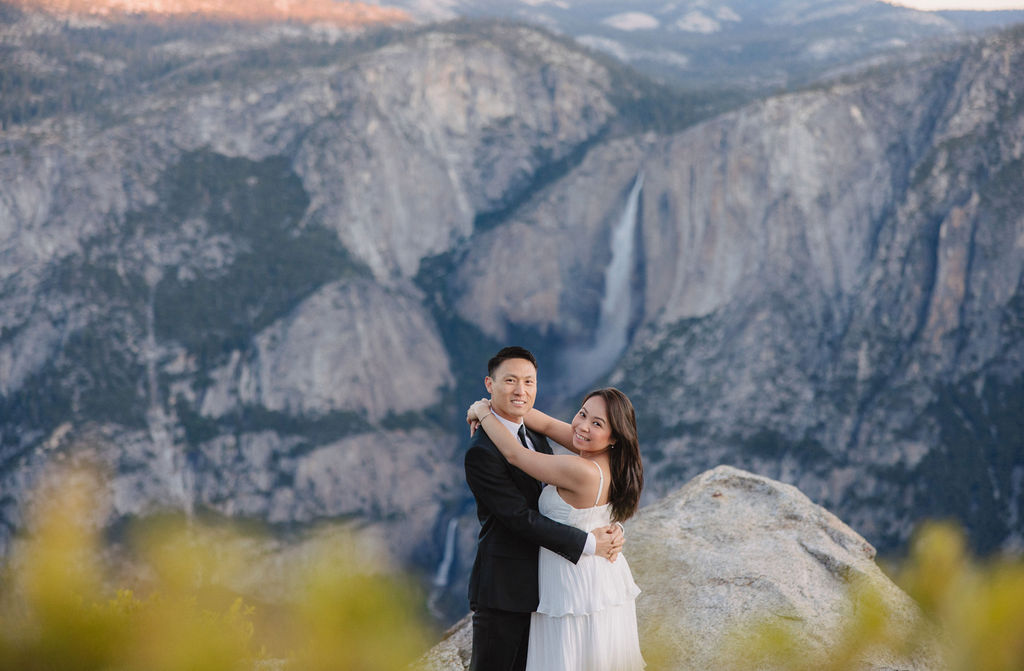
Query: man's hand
(609, 542)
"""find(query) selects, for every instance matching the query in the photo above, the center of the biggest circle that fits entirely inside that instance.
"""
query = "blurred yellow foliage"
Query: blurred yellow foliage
(971, 618)
(978, 606)
(60, 607)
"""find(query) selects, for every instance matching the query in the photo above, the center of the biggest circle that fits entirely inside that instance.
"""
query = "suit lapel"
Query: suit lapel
(540, 442)
(526, 480)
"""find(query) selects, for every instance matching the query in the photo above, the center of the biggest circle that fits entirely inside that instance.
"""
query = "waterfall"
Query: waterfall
(582, 365)
(444, 569)
(161, 424)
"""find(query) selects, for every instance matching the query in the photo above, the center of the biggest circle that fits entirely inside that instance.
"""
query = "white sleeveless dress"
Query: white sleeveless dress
(586, 620)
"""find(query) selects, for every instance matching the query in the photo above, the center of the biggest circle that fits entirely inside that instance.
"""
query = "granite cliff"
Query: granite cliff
(730, 551)
(734, 45)
(257, 271)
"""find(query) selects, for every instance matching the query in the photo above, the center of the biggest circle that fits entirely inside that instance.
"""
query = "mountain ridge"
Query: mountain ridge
(286, 259)
(347, 14)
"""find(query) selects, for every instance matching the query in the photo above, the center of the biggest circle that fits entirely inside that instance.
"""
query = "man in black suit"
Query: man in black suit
(503, 584)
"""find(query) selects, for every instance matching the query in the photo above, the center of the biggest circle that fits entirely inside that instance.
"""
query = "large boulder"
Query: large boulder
(729, 551)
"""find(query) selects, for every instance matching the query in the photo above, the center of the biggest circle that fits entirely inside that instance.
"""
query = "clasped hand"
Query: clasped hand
(609, 539)
(476, 412)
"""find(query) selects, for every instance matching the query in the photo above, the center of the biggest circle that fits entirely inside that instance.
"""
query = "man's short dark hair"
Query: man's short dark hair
(506, 353)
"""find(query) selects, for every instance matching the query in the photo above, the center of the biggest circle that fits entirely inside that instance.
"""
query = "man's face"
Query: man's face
(513, 388)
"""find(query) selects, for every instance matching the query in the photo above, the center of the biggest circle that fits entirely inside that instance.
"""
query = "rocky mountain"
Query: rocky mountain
(732, 549)
(208, 275)
(256, 271)
(974, 20)
(740, 46)
(824, 280)
(344, 14)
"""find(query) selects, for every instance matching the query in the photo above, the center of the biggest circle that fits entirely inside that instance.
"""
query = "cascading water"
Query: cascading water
(161, 425)
(582, 365)
(444, 569)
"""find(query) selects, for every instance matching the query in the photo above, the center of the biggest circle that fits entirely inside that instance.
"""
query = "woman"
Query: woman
(586, 620)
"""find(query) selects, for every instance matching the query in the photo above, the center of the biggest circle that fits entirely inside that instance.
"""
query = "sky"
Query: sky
(960, 4)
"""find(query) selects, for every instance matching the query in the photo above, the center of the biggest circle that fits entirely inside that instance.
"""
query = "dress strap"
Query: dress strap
(600, 487)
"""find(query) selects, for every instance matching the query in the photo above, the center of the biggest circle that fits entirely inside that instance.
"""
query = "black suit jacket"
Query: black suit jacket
(504, 573)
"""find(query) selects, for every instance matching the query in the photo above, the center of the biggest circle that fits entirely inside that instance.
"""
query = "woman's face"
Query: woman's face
(591, 431)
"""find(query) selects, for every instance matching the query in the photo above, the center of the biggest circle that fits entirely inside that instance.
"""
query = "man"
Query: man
(503, 585)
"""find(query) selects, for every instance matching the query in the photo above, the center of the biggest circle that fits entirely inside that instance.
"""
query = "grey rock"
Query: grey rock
(728, 551)
(694, 43)
(827, 288)
(441, 129)
(351, 346)
(820, 287)
(393, 156)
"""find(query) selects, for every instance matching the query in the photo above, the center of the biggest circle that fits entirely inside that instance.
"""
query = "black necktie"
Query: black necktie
(522, 435)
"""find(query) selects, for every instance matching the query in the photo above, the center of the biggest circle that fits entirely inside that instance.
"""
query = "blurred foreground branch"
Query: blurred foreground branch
(973, 618)
(64, 605)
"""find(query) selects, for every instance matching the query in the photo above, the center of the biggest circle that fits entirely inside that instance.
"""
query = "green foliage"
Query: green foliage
(652, 380)
(412, 419)
(100, 276)
(63, 605)
(469, 347)
(318, 428)
(253, 209)
(95, 373)
(1002, 194)
(647, 105)
(980, 439)
(93, 69)
(198, 429)
(258, 204)
(771, 444)
(92, 376)
(1012, 323)
(643, 103)
(549, 171)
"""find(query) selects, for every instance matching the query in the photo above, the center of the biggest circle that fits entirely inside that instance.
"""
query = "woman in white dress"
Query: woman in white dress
(586, 620)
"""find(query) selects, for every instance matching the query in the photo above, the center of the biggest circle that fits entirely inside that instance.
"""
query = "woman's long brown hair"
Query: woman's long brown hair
(626, 465)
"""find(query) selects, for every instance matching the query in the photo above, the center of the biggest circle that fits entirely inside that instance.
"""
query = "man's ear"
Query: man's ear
(489, 383)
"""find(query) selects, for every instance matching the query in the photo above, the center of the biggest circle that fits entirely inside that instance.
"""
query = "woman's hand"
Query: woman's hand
(475, 412)
(480, 409)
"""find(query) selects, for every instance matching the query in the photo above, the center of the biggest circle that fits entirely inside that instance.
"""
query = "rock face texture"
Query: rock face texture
(347, 15)
(257, 271)
(209, 262)
(730, 549)
(730, 44)
(769, 224)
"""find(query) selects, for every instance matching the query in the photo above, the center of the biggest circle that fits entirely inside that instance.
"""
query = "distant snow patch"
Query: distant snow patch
(632, 21)
(433, 9)
(616, 49)
(857, 115)
(673, 58)
(561, 4)
(627, 55)
(727, 14)
(828, 48)
(930, 19)
(698, 22)
(540, 18)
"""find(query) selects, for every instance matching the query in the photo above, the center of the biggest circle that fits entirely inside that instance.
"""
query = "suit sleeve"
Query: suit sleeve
(487, 475)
